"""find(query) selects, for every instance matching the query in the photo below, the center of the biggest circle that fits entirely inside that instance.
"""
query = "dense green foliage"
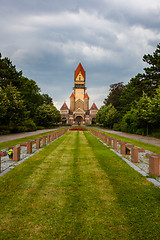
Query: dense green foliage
(21, 100)
(107, 115)
(46, 115)
(138, 102)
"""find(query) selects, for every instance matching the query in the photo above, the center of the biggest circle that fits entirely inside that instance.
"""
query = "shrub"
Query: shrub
(30, 125)
(117, 126)
(140, 131)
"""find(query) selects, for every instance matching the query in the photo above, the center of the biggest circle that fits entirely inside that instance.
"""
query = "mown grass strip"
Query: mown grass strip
(146, 146)
(31, 192)
(138, 198)
(76, 188)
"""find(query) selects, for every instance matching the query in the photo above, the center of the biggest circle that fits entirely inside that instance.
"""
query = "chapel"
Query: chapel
(79, 112)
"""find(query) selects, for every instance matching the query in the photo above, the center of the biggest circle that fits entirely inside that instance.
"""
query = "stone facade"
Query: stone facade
(79, 112)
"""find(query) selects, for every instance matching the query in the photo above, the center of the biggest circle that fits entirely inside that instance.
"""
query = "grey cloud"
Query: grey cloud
(46, 39)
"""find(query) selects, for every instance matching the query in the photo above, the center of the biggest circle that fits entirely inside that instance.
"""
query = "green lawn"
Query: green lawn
(76, 188)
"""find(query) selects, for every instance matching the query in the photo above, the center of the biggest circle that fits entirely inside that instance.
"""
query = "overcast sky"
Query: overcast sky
(47, 39)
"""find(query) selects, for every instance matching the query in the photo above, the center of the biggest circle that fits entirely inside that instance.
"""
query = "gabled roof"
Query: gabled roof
(64, 107)
(78, 110)
(80, 68)
(94, 107)
(86, 96)
(72, 95)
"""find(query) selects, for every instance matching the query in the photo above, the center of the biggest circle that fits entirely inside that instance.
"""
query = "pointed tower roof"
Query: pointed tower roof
(72, 95)
(64, 107)
(86, 96)
(94, 107)
(80, 68)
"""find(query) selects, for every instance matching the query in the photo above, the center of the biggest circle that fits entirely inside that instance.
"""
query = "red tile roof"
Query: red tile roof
(72, 95)
(94, 107)
(86, 96)
(64, 107)
(80, 68)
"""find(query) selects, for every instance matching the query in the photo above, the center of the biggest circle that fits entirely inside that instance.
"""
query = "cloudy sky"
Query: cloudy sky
(47, 39)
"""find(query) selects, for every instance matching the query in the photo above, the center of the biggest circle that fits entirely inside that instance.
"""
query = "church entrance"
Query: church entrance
(93, 120)
(79, 120)
(64, 120)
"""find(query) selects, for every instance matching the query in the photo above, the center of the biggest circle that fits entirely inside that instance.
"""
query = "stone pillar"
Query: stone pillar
(110, 141)
(52, 137)
(154, 161)
(0, 164)
(37, 143)
(122, 148)
(48, 138)
(29, 147)
(134, 155)
(103, 137)
(115, 143)
(106, 139)
(44, 140)
(16, 153)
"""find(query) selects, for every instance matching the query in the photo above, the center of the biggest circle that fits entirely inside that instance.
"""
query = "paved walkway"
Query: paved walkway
(145, 139)
(8, 137)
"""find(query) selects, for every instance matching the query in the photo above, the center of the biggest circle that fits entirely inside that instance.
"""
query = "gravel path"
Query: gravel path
(145, 139)
(5, 138)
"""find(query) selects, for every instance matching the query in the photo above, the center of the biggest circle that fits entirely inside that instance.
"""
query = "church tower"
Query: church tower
(79, 112)
(79, 83)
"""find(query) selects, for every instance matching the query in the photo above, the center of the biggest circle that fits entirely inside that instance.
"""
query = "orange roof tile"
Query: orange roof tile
(86, 96)
(94, 107)
(72, 95)
(64, 106)
(80, 68)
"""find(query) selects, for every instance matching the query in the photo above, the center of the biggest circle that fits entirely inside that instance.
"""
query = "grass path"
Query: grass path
(76, 188)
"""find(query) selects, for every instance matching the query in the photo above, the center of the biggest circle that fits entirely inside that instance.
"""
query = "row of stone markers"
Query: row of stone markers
(24, 150)
(146, 160)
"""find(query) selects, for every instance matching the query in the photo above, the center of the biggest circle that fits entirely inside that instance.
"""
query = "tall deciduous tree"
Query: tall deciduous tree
(114, 95)
(153, 71)
(8, 73)
(15, 108)
(47, 115)
(31, 95)
(107, 115)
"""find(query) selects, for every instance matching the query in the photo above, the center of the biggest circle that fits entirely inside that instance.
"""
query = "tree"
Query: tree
(153, 71)
(15, 109)
(131, 93)
(143, 112)
(147, 82)
(155, 109)
(107, 115)
(128, 123)
(46, 99)
(46, 115)
(31, 95)
(111, 116)
(4, 103)
(100, 116)
(144, 115)
(8, 73)
(114, 95)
